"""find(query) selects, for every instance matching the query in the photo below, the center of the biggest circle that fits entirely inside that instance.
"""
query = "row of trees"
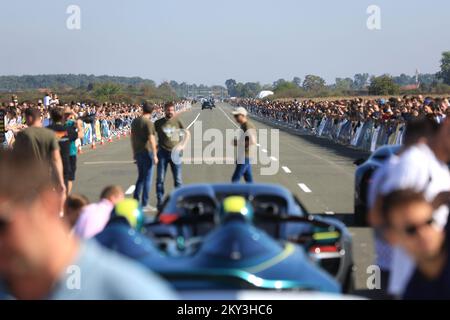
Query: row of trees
(103, 92)
(313, 86)
(192, 90)
(100, 88)
(66, 81)
(103, 88)
(110, 87)
(361, 83)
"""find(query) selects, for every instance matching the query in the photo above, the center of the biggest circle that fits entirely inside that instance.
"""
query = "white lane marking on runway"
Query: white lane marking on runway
(190, 125)
(258, 145)
(234, 123)
(319, 157)
(273, 158)
(130, 190)
(109, 162)
(264, 150)
(304, 187)
(286, 169)
(217, 160)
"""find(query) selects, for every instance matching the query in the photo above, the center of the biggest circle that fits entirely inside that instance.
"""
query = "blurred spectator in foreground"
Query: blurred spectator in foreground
(38, 260)
(410, 224)
(72, 208)
(40, 144)
(94, 217)
(422, 167)
(418, 130)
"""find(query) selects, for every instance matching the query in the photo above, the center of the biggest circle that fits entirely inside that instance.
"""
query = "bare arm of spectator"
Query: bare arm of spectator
(79, 125)
(441, 199)
(57, 166)
(374, 216)
(187, 136)
(152, 140)
(250, 138)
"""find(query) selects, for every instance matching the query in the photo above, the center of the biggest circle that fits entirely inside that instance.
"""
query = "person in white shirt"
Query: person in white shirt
(417, 131)
(94, 217)
(422, 167)
(47, 100)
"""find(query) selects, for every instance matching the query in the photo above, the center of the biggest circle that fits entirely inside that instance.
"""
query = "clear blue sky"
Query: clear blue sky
(209, 41)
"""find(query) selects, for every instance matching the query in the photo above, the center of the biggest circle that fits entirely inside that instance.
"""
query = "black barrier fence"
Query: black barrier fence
(366, 135)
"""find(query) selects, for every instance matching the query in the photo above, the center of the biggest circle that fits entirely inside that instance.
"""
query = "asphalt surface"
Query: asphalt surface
(320, 172)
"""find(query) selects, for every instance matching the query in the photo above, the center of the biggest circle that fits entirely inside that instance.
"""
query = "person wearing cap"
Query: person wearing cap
(246, 139)
(421, 167)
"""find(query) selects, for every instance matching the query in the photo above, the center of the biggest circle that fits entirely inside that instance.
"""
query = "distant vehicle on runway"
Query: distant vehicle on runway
(363, 178)
(207, 104)
(280, 234)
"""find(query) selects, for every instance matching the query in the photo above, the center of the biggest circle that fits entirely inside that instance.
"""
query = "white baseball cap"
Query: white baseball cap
(240, 110)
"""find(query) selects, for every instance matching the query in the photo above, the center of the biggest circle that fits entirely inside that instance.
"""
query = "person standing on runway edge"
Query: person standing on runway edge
(143, 142)
(244, 142)
(172, 139)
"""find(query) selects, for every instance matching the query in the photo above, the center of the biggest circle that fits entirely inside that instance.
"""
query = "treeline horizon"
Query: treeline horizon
(134, 89)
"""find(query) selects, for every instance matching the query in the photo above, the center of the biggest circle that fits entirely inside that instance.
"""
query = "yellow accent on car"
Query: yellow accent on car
(326, 235)
(127, 208)
(235, 204)
(288, 250)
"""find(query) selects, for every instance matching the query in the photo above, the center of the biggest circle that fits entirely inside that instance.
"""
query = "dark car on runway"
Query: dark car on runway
(207, 105)
(363, 179)
(190, 214)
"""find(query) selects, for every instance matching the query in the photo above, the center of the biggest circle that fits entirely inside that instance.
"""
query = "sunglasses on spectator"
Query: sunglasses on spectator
(5, 220)
(4, 224)
(412, 230)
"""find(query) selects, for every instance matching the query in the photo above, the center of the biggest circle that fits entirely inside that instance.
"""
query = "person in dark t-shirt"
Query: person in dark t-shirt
(65, 136)
(143, 143)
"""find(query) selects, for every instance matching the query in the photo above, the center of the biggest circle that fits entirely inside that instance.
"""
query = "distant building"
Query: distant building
(410, 87)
